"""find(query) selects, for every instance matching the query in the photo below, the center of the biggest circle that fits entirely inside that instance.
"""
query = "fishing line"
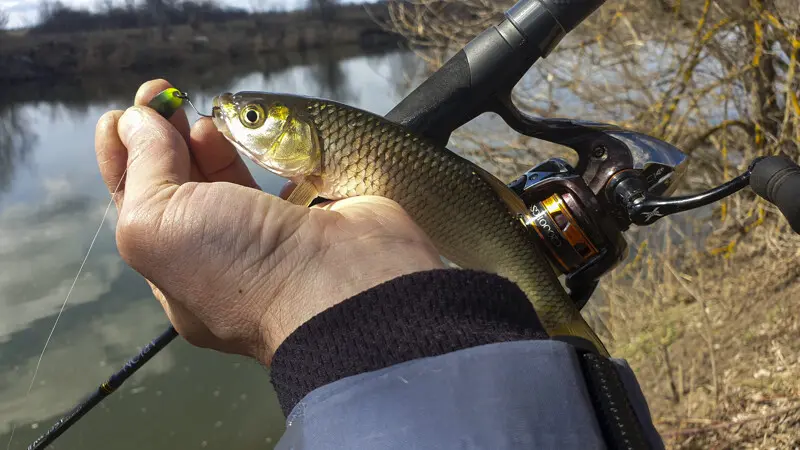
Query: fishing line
(69, 292)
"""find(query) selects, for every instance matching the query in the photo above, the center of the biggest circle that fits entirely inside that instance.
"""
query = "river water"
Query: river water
(51, 202)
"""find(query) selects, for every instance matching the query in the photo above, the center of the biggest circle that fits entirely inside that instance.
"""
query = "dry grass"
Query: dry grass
(704, 309)
(714, 339)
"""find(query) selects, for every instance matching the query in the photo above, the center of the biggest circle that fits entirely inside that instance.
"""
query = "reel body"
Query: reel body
(622, 178)
(579, 213)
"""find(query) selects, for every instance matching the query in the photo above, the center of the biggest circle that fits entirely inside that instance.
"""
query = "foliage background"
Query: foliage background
(704, 308)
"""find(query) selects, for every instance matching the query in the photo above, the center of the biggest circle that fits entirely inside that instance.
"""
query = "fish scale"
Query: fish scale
(472, 218)
(457, 209)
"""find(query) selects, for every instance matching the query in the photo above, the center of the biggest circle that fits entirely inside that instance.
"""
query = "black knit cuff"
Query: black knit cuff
(414, 316)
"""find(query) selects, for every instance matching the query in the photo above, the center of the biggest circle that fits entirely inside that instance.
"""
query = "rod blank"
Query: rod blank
(104, 390)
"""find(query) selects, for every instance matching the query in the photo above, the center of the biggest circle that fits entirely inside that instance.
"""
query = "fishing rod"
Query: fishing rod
(107, 388)
(622, 177)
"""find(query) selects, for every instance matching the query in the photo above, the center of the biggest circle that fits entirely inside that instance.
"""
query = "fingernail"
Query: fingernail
(130, 123)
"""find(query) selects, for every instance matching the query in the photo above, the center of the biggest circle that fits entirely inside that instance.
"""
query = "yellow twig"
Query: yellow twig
(759, 34)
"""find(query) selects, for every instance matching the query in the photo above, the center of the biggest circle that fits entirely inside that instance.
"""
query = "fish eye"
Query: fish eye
(252, 116)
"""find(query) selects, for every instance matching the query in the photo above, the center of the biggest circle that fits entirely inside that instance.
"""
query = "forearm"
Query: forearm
(432, 357)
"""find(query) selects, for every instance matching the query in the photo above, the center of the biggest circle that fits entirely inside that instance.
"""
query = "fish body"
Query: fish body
(337, 151)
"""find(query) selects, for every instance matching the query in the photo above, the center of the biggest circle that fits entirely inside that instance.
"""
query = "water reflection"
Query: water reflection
(43, 236)
(331, 79)
(53, 201)
(15, 141)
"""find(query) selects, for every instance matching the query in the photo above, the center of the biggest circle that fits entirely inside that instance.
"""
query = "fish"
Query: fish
(336, 151)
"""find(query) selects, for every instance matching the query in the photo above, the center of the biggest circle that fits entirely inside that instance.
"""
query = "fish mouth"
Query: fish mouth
(218, 112)
(223, 110)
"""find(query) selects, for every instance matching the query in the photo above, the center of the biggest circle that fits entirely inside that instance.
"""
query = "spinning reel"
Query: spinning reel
(622, 178)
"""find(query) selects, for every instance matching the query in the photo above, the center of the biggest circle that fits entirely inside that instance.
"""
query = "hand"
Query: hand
(236, 269)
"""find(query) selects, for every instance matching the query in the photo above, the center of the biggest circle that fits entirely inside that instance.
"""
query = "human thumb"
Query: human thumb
(158, 156)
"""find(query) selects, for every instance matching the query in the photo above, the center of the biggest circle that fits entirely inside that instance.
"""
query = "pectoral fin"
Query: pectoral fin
(303, 194)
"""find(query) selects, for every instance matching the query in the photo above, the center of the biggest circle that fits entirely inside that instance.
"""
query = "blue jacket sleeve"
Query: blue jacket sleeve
(447, 359)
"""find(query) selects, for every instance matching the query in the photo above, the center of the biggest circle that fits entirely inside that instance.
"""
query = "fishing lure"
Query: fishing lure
(168, 101)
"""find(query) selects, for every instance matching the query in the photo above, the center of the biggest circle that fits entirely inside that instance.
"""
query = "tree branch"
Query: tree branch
(747, 127)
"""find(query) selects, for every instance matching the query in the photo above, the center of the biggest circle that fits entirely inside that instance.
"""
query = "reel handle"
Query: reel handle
(777, 180)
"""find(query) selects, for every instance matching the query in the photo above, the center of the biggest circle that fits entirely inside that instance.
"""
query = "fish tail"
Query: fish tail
(580, 328)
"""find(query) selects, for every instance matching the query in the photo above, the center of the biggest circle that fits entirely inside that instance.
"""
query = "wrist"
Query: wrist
(333, 281)
(415, 316)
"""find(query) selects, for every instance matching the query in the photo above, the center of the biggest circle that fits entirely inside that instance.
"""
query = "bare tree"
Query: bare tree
(257, 6)
(719, 79)
(3, 19)
(47, 9)
(158, 12)
(104, 6)
(325, 10)
(16, 140)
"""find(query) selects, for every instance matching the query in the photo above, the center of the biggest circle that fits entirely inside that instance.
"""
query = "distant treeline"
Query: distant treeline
(56, 17)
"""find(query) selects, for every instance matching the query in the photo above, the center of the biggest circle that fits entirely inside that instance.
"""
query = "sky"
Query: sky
(23, 12)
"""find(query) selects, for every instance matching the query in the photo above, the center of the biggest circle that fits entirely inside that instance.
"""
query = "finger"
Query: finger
(179, 120)
(152, 88)
(112, 156)
(287, 189)
(194, 172)
(157, 154)
(215, 156)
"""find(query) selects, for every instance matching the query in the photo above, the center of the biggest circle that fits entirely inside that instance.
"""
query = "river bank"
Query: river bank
(30, 56)
(75, 92)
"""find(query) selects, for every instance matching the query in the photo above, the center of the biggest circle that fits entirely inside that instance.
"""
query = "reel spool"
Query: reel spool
(557, 225)
(581, 241)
